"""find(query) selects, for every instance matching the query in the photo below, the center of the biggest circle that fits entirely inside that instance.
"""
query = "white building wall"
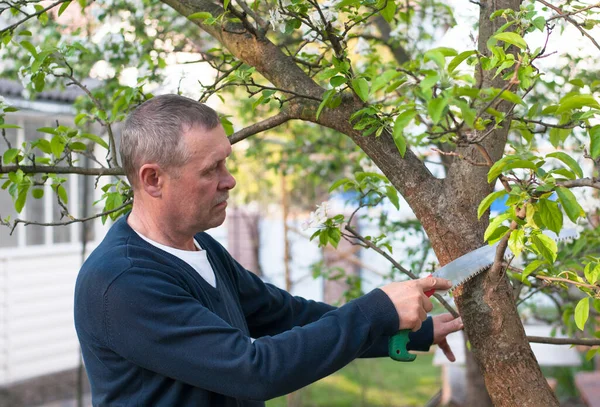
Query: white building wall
(38, 335)
(3, 321)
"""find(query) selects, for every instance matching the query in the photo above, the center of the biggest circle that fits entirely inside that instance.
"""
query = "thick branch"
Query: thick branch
(259, 127)
(45, 169)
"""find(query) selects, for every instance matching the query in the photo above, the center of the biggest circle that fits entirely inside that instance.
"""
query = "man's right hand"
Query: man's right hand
(410, 300)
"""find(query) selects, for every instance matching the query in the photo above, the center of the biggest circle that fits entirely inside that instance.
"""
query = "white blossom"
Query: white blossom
(276, 20)
(362, 47)
(57, 69)
(25, 77)
(318, 217)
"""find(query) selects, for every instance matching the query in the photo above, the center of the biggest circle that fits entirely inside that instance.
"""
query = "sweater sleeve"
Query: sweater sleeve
(154, 322)
(270, 310)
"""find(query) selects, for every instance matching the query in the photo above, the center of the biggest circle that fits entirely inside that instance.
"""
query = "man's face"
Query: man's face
(196, 193)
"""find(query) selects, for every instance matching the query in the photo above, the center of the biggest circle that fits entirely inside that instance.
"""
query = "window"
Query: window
(46, 209)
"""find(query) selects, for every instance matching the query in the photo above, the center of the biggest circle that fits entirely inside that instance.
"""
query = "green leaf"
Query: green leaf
(389, 11)
(429, 81)
(323, 238)
(361, 87)
(22, 190)
(37, 193)
(511, 38)
(337, 184)
(457, 60)
(488, 200)
(334, 236)
(9, 126)
(77, 146)
(436, 107)
(572, 102)
(569, 203)
(531, 267)
(57, 145)
(569, 161)
(539, 23)
(62, 193)
(516, 241)
(94, 138)
(63, 7)
(582, 312)
(436, 56)
(392, 194)
(495, 224)
(48, 130)
(592, 272)
(337, 81)
(504, 165)
(326, 98)
(550, 214)
(201, 15)
(384, 79)
(546, 246)
(498, 234)
(29, 47)
(595, 141)
(10, 155)
(400, 142)
(508, 96)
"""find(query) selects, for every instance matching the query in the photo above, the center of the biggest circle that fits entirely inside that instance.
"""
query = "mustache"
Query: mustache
(221, 199)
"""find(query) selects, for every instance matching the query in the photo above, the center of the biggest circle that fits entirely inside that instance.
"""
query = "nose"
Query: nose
(228, 181)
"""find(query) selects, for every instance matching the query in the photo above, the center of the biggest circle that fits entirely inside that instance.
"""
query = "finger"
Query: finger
(434, 283)
(447, 350)
(451, 326)
(447, 317)
(417, 326)
(422, 314)
(426, 302)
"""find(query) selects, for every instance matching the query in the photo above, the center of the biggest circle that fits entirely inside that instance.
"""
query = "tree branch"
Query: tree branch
(571, 13)
(73, 220)
(43, 169)
(398, 266)
(583, 182)
(564, 341)
(567, 17)
(261, 126)
(30, 16)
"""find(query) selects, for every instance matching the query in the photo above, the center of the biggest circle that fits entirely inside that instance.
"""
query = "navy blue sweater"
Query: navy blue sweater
(153, 332)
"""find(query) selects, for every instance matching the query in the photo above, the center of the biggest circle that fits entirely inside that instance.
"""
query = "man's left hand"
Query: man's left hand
(443, 325)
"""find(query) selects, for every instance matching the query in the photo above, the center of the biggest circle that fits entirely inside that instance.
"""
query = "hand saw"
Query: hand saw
(459, 271)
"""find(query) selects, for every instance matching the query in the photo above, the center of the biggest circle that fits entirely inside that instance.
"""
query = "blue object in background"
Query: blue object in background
(499, 205)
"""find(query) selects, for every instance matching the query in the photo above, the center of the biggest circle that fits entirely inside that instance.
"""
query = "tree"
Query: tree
(486, 110)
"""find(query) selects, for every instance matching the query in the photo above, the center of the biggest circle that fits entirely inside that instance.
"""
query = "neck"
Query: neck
(157, 227)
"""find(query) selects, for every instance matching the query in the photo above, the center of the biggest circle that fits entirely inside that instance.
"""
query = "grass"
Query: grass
(372, 382)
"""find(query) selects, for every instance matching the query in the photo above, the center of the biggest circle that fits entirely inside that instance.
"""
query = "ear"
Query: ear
(151, 178)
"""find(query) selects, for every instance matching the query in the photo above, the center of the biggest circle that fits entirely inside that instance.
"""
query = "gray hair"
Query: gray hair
(153, 132)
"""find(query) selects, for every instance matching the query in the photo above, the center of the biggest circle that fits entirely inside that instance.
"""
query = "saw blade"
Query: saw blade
(466, 267)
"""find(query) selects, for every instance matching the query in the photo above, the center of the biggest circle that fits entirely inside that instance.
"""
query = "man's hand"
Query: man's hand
(411, 302)
(443, 325)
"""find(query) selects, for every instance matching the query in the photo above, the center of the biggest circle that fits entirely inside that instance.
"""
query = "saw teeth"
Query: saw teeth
(478, 272)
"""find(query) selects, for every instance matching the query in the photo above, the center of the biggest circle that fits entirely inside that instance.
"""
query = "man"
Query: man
(166, 317)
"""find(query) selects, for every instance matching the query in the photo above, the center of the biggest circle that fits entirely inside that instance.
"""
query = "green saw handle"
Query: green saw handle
(397, 343)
